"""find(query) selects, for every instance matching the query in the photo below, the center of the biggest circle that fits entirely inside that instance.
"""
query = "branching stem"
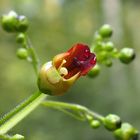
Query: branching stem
(74, 107)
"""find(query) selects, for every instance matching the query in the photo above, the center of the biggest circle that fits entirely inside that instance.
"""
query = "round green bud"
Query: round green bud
(95, 124)
(23, 24)
(126, 55)
(9, 22)
(98, 47)
(22, 53)
(112, 122)
(103, 55)
(94, 71)
(108, 63)
(20, 38)
(109, 46)
(98, 37)
(126, 132)
(105, 31)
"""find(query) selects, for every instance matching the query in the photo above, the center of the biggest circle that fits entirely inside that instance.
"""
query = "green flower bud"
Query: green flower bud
(98, 46)
(126, 132)
(94, 71)
(9, 22)
(108, 63)
(112, 122)
(23, 24)
(95, 124)
(126, 55)
(109, 46)
(106, 31)
(20, 38)
(98, 37)
(22, 53)
(103, 55)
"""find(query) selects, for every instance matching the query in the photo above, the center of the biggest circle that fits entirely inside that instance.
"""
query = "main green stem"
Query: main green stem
(20, 112)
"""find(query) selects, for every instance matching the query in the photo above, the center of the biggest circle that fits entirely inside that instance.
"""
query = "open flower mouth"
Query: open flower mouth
(77, 60)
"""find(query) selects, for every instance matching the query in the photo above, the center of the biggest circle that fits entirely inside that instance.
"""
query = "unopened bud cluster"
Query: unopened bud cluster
(106, 51)
(113, 123)
(122, 131)
(14, 23)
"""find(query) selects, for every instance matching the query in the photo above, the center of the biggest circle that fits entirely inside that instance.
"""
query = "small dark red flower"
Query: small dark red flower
(58, 75)
(79, 59)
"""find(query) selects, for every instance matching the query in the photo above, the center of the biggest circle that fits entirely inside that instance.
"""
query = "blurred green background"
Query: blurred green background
(55, 25)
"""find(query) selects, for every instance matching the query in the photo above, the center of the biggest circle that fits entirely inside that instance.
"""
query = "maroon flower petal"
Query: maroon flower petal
(80, 59)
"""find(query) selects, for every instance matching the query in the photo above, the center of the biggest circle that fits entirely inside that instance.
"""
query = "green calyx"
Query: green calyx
(50, 80)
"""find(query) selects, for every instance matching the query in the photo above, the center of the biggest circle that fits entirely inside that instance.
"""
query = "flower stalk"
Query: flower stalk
(75, 107)
(34, 58)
